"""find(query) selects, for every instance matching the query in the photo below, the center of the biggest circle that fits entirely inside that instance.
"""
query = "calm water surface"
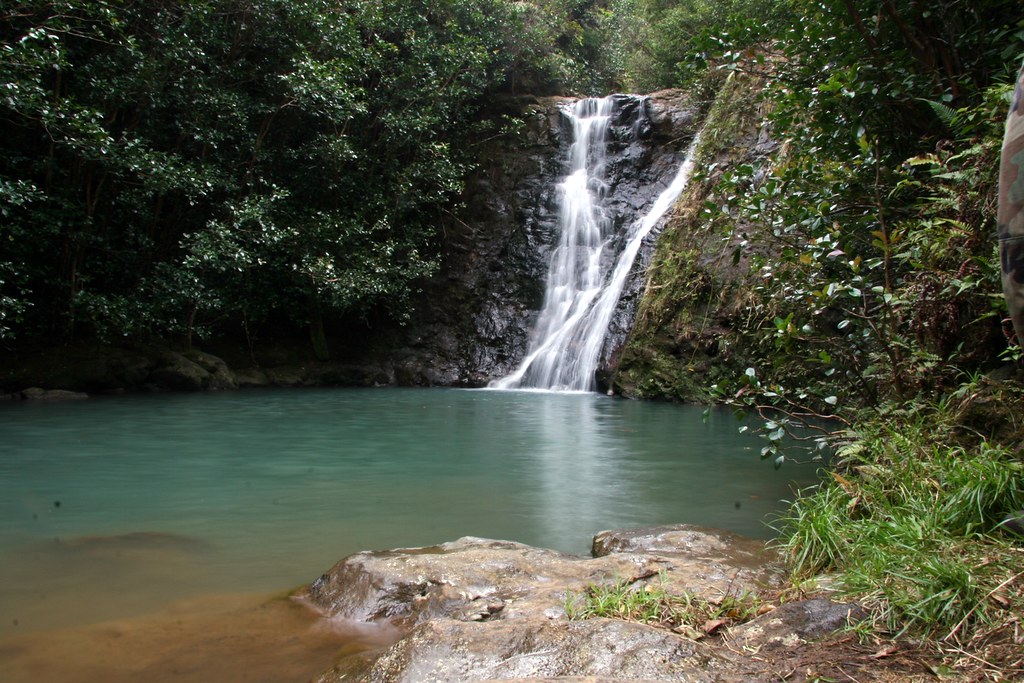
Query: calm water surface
(116, 507)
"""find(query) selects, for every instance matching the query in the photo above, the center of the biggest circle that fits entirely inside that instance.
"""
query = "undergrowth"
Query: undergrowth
(911, 523)
(685, 612)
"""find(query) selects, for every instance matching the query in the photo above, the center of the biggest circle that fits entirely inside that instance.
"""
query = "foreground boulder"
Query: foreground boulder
(449, 650)
(485, 610)
(477, 579)
(479, 609)
(471, 579)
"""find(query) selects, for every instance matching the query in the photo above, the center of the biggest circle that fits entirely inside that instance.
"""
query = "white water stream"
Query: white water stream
(581, 295)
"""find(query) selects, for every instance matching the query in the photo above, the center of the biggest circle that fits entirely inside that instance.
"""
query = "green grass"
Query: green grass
(909, 523)
(652, 604)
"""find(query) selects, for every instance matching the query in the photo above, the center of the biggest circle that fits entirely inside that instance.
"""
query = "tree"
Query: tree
(175, 167)
(877, 236)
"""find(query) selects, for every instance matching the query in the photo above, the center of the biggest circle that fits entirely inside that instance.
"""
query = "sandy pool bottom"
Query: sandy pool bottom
(227, 639)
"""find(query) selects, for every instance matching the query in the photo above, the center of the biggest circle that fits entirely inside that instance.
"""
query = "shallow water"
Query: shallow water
(214, 639)
(115, 508)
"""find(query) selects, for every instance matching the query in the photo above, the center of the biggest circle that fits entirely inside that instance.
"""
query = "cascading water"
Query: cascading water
(582, 291)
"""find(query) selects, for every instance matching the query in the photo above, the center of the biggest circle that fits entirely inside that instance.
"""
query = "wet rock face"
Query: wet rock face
(473, 317)
(473, 321)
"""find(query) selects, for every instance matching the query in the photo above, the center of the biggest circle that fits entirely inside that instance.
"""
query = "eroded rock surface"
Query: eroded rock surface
(705, 557)
(448, 650)
(471, 579)
(795, 623)
(480, 609)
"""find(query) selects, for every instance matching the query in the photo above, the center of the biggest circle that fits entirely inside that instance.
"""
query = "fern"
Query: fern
(947, 115)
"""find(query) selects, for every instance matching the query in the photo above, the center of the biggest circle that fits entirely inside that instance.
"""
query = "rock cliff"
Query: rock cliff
(473, 320)
(689, 327)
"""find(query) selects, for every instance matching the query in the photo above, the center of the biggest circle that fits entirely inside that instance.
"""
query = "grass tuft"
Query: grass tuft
(686, 612)
(910, 523)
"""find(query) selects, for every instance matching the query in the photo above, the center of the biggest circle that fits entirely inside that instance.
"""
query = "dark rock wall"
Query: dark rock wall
(473, 318)
(473, 321)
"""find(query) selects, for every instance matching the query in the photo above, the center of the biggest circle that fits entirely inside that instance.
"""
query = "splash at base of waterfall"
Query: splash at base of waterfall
(585, 281)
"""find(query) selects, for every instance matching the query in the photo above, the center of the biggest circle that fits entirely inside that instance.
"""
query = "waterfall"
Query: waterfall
(582, 289)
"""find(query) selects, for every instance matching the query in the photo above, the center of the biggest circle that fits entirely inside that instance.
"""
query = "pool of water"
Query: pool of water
(114, 507)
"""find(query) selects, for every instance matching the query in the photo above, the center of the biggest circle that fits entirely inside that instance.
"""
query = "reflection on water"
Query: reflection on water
(113, 508)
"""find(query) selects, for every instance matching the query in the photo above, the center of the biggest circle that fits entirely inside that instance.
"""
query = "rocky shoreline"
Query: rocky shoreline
(480, 609)
(75, 373)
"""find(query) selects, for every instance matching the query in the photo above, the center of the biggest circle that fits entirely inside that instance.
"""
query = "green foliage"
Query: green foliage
(557, 46)
(175, 168)
(675, 44)
(869, 236)
(874, 250)
(910, 522)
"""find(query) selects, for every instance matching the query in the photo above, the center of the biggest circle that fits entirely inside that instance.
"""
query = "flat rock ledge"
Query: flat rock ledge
(479, 609)
(39, 394)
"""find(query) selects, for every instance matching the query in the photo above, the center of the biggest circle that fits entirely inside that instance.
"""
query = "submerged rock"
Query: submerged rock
(38, 394)
(134, 548)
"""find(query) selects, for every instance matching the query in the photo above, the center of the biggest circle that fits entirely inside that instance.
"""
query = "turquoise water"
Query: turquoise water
(115, 506)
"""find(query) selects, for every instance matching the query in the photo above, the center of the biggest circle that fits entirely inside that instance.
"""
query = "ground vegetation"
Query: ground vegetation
(872, 310)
